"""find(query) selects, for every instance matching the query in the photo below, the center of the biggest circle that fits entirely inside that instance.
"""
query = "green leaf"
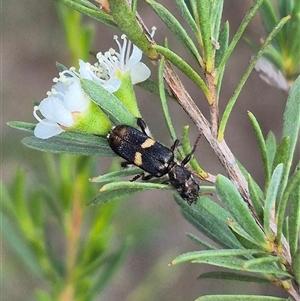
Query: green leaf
(294, 216)
(270, 20)
(23, 126)
(296, 265)
(109, 103)
(239, 298)
(20, 245)
(269, 212)
(223, 42)
(201, 242)
(263, 260)
(152, 87)
(103, 276)
(292, 192)
(72, 143)
(120, 190)
(233, 276)
(216, 14)
(198, 255)
(243, 236)
(262, 146)
(281, 155)
(163, 99)
(211, 219)
(115, 175)
(133, 185)
(239, 264)
(128, 23)
(228, 194)
(184, 67)
(271, 149)
(291, 126)
(228, 260)
(176, 28)
(246, 74)
(239, 33)
(184, 11)
(91, 11)
(256, 196)
(205, 22)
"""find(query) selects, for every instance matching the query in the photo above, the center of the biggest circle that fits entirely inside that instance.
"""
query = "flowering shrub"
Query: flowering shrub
(255, 227)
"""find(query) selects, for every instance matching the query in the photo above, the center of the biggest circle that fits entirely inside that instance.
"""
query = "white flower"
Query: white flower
(112, 64)
(64, 101)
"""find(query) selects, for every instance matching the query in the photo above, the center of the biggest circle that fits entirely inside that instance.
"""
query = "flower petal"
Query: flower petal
(135, 57)
(47, 129)
(139, 73)
(53, 109)
(112, 85)
(75, 99)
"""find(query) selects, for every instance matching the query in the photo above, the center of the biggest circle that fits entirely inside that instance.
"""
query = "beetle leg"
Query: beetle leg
(126, 164)
(142, 176)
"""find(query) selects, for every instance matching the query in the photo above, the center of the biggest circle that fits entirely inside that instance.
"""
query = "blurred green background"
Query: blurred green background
(32, 41)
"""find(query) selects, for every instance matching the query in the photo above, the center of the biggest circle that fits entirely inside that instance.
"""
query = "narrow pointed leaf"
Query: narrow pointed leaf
(246, 74)
(282, 152)
(216, 13)
(257, 196)
(20, 246)
(112, 176)
(176, 28)
(233, 276)
(270, 20)
(108, 270)
(262, 260)
(184, 67)
(23, 126)
(291, 126)
(133, 185)
(238, 264)
(94, 13)
(239, 33)
(198, 255)
(163, 100)
(291, 192)
(209, 218)
(296, 265)
(184, 11)
(269, 211)
(71, 143)
(262, 146)
(294, 217)
(229, 195)
(121, 190)
(214, 257)
(109, 103)
(201, 242)
(112, 195)
(223, 43)
(271, 149)
(236, 228)
(204, 12)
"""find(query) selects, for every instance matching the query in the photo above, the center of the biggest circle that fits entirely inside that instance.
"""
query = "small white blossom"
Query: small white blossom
(125, 61)
(65, 100)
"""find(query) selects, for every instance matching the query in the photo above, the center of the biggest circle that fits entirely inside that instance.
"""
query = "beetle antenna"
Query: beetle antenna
(189, 156)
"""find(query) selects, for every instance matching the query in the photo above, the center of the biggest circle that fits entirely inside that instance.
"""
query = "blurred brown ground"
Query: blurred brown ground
(32, 41)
